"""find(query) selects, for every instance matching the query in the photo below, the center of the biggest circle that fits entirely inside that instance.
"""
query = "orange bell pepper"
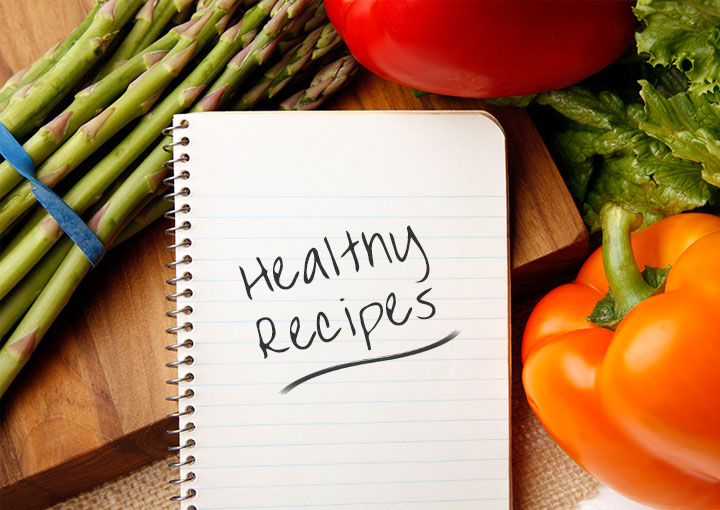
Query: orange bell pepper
(636, 405)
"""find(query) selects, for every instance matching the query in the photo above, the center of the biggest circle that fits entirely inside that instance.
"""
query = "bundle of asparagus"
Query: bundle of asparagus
(103, 146)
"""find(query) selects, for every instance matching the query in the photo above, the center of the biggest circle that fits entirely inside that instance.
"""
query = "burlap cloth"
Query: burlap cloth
(544, 478)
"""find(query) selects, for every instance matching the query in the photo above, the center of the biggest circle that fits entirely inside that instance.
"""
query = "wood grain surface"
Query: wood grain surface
(90, 404)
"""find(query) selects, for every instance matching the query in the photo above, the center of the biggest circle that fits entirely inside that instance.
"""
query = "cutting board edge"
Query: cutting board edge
(91, 469)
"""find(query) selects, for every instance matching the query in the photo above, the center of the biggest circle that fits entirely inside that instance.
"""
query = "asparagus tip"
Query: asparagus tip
(88, 90)
(248, 37)
(240, 56)
(154, 57)
(94, 222)
(50, 228)
(52, 178)
(264, 54)
(24, 91)
(147, 11)
(190, 94)
(23, 347)
(253, 95)
(180, 29)
(193, 30)
(277, 87)
(292, 102)
(155, 180)
(151, 101)
(17, 78)
(232, 33)
(107, 10)
(221, 25)
(211, 102)
(277, 21)
(296, 7)
(58, 126)
(327, 81)
(92, 127)
(338, 83)
(179, 61)
(276, 5)
(329, 39)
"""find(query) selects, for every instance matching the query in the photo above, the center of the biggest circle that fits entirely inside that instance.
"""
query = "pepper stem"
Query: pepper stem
(626, 283)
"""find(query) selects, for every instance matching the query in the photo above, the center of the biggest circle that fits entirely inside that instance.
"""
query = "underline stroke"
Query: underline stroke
(298, 382)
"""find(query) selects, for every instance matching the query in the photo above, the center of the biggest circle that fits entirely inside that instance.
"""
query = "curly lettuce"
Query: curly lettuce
(604, 155)
(646, 130)
(688, 124)
(684, 34)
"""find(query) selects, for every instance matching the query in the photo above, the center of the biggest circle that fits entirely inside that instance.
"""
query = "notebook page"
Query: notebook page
(350, 310)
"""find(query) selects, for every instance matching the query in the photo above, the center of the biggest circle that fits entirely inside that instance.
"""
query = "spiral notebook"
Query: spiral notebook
(342, 301)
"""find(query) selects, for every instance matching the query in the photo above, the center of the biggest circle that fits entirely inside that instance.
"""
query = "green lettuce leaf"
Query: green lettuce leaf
(645, 131)
(688, 124)
(684, 34)
(604, 155)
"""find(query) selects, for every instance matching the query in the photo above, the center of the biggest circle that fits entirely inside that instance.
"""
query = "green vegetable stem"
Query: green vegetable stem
(105, 149)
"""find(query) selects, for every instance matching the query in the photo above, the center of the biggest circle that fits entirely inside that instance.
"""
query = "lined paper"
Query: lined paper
(381, 234)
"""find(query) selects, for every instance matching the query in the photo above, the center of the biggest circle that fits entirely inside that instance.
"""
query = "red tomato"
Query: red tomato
(484, 48)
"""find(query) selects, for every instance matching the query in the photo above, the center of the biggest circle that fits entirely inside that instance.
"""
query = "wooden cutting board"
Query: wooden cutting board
(90, 405)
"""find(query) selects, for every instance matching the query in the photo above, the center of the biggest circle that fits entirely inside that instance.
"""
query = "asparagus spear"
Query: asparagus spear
(145, 216)
(144, 182)
(315, 45)
(254, 55)
(136, 101)
(181, 16)
(177, 14)
(19, 300)
(218, 20)
(150, 20)
(41, 66)
(29, 106)
(15, 304)
(328, 81)
(95, 98)
(311, 19)
(25, 253)
(86, 104)
(325, 83)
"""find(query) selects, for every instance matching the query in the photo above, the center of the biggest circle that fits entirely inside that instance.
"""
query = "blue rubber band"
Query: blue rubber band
(69, 221)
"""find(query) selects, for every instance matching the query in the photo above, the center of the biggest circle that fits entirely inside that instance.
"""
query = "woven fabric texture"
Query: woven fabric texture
(544, 478)
(144, 489)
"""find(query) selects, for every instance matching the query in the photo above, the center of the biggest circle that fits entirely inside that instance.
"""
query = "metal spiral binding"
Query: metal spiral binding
(174, 231)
